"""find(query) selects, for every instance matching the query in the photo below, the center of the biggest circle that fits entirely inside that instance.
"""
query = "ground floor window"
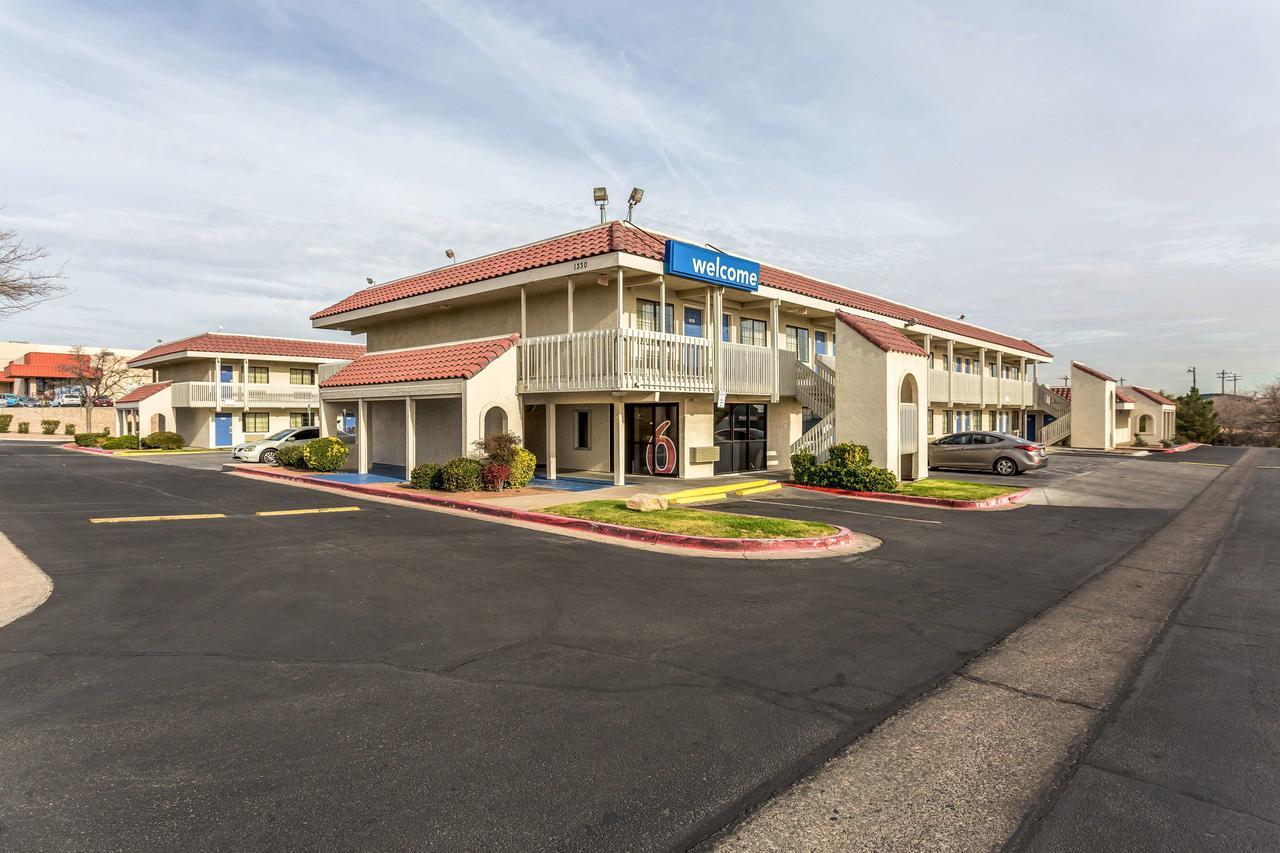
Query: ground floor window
(741, 433)
(302, 419)
(582, 430)
(653, 439)
(930, 416)
(256, 422)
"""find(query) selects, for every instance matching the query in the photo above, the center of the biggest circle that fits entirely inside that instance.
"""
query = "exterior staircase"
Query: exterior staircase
(1058, 431)
(816, 390)
(1060, 408)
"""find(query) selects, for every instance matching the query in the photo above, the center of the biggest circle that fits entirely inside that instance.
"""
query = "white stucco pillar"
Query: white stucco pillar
(362, 437)
(774, 311)
(570, 303)
(619, 444)
(410, 435)
(551, 441)
(951, 372)
(524, 314)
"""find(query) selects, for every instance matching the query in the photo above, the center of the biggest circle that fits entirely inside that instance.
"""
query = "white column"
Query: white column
(774, 314)
(524, 314)
(662, 307)
(217, 383)
(619, 444)
(619, 350)
(982, 380)
(244, 386)
(551, 441)
(410, 435)
(951, 372)
(571, 306)
(362, 437)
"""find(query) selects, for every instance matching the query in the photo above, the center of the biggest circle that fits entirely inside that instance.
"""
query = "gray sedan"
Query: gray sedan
(264, 449)
(986, 451)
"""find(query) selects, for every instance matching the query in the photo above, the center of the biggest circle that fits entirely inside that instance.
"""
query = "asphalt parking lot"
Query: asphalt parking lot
(391, 677)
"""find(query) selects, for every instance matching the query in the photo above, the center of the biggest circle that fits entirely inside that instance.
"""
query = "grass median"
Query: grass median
(693, 522)
(954, 490)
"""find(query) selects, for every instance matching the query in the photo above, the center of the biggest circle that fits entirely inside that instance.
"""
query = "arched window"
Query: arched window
(495, 421)
(1146, 423)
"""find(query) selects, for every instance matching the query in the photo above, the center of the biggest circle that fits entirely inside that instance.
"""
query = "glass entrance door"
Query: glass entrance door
(742, 436)
(653, 439)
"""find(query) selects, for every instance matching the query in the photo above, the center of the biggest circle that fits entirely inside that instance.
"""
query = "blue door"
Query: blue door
(348, 422)
(222, 429)
(227, 374)
(693, 322)
(1031, 427)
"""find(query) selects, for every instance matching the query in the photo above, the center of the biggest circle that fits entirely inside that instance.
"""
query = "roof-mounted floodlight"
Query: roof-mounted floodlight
(601, 197)
(633, 200)
(448, 253)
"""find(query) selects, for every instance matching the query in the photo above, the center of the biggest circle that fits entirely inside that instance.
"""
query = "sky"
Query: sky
(1100, 178)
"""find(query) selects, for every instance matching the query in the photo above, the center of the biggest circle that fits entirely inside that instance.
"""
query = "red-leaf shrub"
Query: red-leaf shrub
(495, 476)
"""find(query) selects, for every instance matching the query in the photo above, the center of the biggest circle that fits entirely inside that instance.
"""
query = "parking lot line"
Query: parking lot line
(1210, 464)
(309, 511)
(131, 518)
(849, 511)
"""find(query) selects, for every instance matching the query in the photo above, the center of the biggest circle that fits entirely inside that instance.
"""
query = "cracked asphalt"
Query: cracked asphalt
(401, 678)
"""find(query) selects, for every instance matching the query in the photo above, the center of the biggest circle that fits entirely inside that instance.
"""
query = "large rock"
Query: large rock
(646, 502)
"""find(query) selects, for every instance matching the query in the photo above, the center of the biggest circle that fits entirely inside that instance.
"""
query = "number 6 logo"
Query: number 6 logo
(660, 440)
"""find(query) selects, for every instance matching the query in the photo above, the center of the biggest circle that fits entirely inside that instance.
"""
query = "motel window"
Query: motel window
(259, 375)
(726, 328)
(820, 342)
(302, 419)
(995, 421)
(949, 421)
(931, 422)
(302, 376)
(647, 316)
(582, 430)
(798, 341)
(256, 422)
(753, 332)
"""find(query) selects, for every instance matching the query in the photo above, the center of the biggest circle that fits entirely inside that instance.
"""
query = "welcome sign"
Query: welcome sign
(689, 261)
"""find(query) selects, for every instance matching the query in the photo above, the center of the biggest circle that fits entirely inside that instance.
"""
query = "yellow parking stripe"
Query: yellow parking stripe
(310, 511)
(1210, 464)
(129, 518)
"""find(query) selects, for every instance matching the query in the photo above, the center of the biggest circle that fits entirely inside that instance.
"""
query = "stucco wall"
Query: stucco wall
(101, 418)
(1092, 411)
(568, 458)
(386, 432)
(784, 425)
(438, 430)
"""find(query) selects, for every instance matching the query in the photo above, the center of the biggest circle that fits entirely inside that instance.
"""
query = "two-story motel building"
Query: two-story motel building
(217, 389)
(617, 350)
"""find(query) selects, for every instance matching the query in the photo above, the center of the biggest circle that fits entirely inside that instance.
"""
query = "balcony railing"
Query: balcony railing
(746, 369)
(233, 395)
(972, 389)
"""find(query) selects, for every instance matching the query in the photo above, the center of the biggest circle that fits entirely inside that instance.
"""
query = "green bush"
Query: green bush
(462, 474)
(849, 454)
(499, 448)
(90, 439)
(291, 456)
(49, 427)
(802, 465)
(325, 454)
(5, 420)
(69, 429)
(495, 475)
(848, 466)
(1164, 442)
(1139, 441)
(426, 476)
(522, 464)
(164, 441)
(24, 427)
(119, 442)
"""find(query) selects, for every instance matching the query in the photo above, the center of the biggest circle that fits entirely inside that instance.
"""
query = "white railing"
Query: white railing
(233, 394)
(990, 389)
(818, 439)
(613, 359)
(746, 369)
(1056, 431)
(967, 387)
(938, 385)
(1052, 403)
(816, 387)
(908, 428)
(787, 362)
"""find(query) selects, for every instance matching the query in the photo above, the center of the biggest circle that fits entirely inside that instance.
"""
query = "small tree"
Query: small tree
(1268, 418)
(1197, 421)
(21, 287)
(98, 374)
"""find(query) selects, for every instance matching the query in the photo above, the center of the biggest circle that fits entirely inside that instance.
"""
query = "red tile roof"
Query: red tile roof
(1154, 396)
(451, 361)
(45, 365)
(137, 395)
(1095, 373)
(623, 237)
(1063, 392)
(1122, 396)
(253, 345)
(888, 338)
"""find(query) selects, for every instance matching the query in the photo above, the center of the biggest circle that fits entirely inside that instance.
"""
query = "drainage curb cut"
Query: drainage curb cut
(842, 538)
(23, 587)
(948, 503)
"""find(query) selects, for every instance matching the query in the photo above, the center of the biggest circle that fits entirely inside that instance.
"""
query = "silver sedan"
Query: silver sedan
(987, 451)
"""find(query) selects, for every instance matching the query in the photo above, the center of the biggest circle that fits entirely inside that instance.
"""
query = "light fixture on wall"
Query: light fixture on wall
(448, 253)
(632, 200)
(368, 280)
(601, 197)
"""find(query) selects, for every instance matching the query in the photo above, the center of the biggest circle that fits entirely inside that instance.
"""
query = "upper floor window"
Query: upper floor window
(798, 341)
(259, 375)
(820, 342)
(994, 375)
(726, 328)
(302, 419)
(753, 332)
(302, 376)
(647, 316)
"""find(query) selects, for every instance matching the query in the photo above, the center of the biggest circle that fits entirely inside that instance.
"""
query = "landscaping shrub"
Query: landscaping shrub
(500, 447)
(495, 475)
(1139, 441)
(291, 455)
(90, 439)
(49, 427)
(425, 476)
(848, 466)
(5, 420)
(522, 465)
(462, 474)
(24, 427)
(325, 454)
(69, 429)
(164, 441)
(1164, 442)
(119, 442)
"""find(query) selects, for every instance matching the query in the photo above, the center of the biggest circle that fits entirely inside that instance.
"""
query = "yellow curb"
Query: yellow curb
(309, 511)
(129, 518)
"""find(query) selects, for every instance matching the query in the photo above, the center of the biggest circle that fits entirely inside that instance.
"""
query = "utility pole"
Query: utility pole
(1235, 378)
(1066, 381)
(1224, 375)
(1192, 371)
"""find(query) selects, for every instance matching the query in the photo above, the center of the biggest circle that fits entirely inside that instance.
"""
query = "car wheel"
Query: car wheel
(1006, 467)
(267, 457)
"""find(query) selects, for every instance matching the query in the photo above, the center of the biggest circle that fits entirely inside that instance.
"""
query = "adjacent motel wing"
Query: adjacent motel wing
(616, 349)
(217, 389)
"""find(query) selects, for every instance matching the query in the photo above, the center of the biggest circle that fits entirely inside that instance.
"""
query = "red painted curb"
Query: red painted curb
(948, 503)
(842, 537)
(1181, 448)
(87, 449)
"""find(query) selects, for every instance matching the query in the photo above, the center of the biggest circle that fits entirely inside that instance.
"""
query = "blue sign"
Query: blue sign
(710, 266)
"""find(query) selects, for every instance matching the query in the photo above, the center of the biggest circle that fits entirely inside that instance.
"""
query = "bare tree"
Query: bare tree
(21, 286)
(98, 374)
(1269, 411)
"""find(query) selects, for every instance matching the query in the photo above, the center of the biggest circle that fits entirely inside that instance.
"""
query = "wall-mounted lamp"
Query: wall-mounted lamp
(632, 200)
(601, 197)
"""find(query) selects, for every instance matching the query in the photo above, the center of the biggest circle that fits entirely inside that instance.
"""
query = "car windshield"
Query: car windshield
(281, 435)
